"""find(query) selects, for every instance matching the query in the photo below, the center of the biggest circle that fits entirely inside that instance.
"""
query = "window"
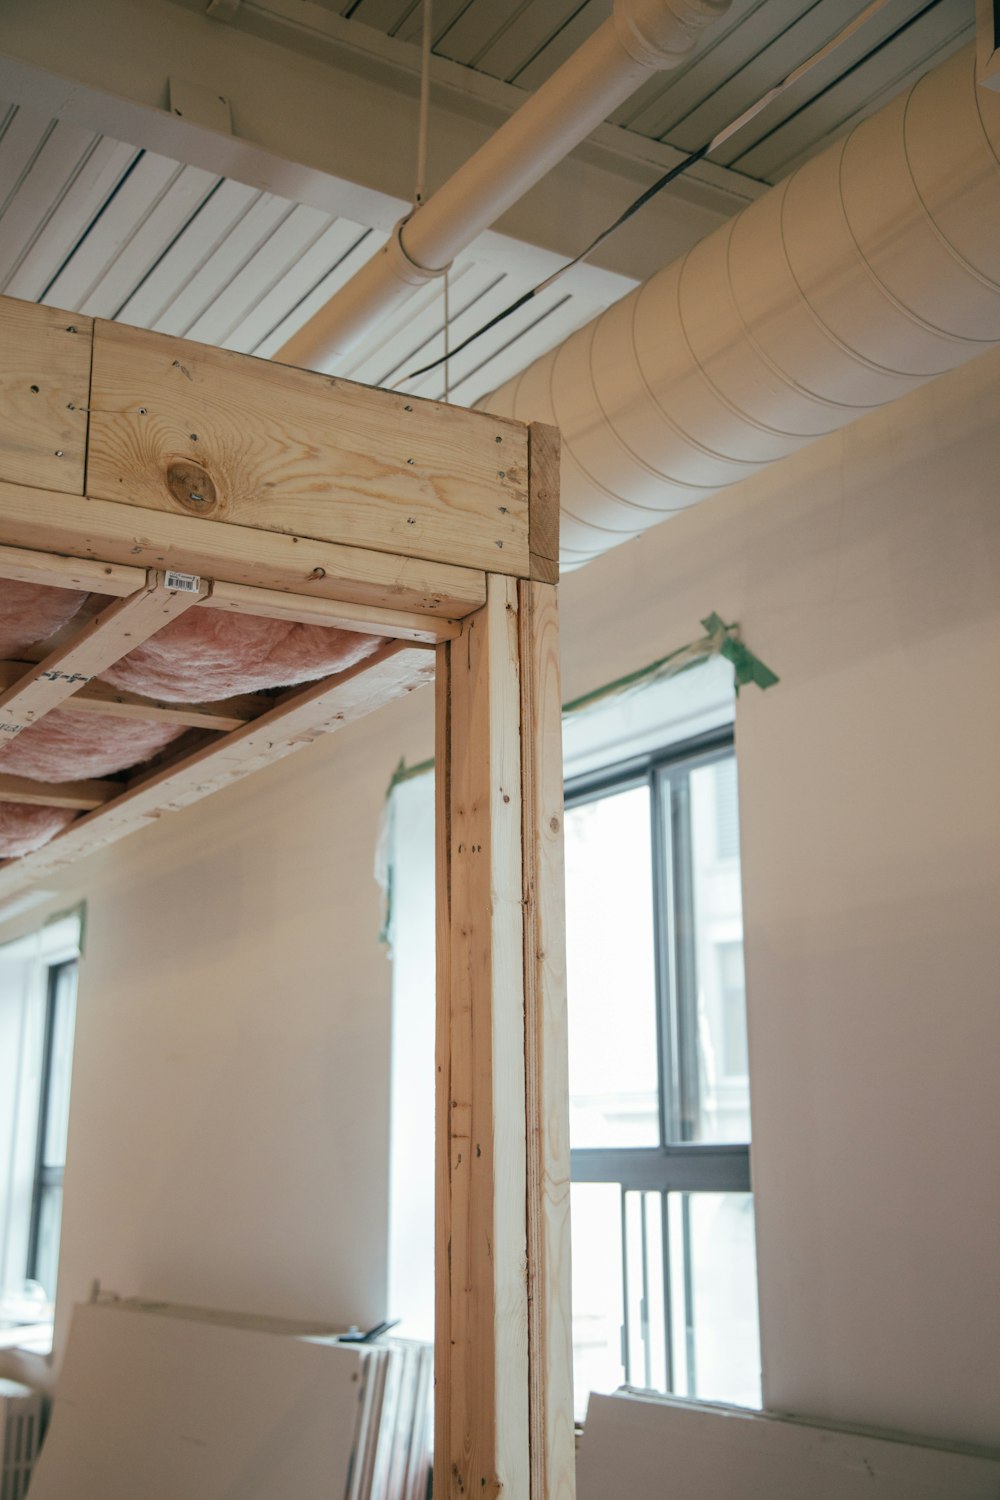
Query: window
(53, 1126)
(664, 1276)
(37, 1015)
(663, 1247)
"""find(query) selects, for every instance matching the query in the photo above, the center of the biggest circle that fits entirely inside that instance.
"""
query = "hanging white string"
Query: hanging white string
(426, 35)
(447, 336)
(420, 187)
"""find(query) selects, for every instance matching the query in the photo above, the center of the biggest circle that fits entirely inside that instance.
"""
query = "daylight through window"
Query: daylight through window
(663, 1247)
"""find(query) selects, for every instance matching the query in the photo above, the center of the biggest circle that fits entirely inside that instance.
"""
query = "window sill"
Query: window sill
(26, 1338)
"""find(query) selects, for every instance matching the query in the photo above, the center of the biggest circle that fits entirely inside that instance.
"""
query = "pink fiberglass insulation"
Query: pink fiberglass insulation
(200, 656)
(72, 746)
(24, 828)
(207, 654)
(30, 612)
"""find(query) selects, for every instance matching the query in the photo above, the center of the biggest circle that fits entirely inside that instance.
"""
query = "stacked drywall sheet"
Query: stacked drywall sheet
(650, 1448)
(160, 1406)
(392, 1453)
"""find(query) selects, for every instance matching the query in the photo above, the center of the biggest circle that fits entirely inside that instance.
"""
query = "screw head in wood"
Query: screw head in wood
(192, 487)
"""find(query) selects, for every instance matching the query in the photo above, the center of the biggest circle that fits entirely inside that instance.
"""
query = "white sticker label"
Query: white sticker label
(183, 583)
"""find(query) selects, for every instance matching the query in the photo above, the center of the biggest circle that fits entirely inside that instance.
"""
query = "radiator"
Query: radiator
(21, 1426)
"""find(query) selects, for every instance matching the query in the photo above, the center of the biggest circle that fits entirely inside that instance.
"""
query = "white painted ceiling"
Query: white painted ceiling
(95, 225)
(752, 49)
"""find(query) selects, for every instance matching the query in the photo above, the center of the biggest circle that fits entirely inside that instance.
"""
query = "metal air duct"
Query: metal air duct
(871, 269)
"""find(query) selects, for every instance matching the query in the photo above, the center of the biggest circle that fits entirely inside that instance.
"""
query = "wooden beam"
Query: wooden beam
(298, 719)
(504, 1405)
(550, 1328)
(482, 1446)
(397, 624)
(443, 1094)
(543, 487)
(50, 522)
(85, 795)
(103, 640)
(101, 698)
(211, 434)
(44, 395)
(48, 570)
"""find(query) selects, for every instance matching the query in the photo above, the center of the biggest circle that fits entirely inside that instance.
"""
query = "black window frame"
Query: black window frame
(676, 1165)
(47, 1176)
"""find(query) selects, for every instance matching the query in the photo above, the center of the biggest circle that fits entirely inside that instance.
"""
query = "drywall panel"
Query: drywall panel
(163, 1407)
(677, 1450)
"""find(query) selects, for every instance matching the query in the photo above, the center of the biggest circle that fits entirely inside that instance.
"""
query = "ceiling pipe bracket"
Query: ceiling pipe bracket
(659, 34)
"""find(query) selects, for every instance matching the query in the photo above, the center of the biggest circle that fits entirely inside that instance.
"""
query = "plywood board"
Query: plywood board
(44, 395)
(207, 433)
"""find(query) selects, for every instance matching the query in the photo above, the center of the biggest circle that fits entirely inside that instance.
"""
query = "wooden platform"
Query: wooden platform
(127, 458)
(162, 476)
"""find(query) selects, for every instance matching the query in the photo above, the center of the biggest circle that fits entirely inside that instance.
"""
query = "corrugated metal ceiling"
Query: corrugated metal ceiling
(758, 44)
(95, 226)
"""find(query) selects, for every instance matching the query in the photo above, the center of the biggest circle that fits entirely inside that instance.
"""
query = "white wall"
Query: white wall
(866, 573)
(228, 1134)
(229, 1117)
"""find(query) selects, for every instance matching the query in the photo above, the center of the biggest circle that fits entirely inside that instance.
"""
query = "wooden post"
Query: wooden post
(503, 1393)
(550, 1332)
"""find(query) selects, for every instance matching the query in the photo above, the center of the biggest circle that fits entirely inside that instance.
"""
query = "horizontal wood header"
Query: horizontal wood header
(184, 434)
(205, 432)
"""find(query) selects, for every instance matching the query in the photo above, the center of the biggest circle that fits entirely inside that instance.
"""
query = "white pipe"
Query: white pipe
(870, 270)
(641, 37)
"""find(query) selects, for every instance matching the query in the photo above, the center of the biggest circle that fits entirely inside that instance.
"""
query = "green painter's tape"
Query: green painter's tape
(719, 639)
(403, 772)
(746, 667)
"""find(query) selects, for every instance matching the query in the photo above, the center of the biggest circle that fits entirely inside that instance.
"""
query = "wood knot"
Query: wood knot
(192, 486)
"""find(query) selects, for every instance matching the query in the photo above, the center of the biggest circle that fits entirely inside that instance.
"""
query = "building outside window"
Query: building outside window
(663, 1248)
(38, 976)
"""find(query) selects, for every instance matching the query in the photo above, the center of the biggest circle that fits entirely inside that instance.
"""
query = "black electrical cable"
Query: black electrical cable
(534, 291)
(681, 167)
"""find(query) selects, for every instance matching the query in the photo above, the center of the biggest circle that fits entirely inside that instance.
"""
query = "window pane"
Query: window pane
(720, 1110)
(612, 1007)
(597, 1290)
(46, 1262)
(647, 1344)
(60, 1064)
(716, 1345)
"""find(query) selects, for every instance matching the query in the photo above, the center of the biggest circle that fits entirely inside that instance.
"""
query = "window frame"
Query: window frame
(676, 1165)
(673, 1166)
(30, 965)
(46, 1175)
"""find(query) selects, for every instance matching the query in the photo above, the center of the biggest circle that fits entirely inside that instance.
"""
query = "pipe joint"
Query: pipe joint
(660, 33)
(404, 267)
